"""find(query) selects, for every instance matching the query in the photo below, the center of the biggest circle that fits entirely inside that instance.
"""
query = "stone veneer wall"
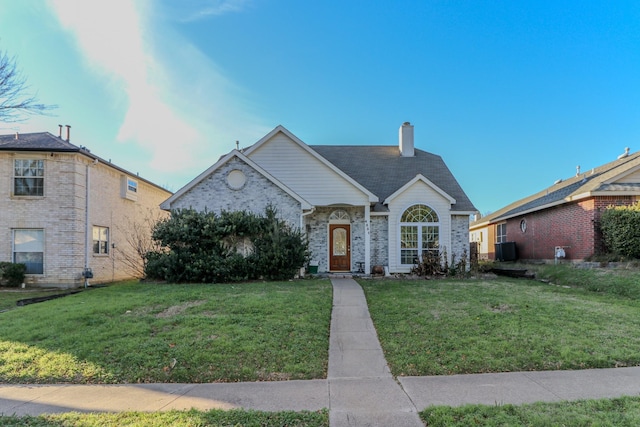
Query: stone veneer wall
(214, 194)
(379, 240)
(460, 236)
(317, 228)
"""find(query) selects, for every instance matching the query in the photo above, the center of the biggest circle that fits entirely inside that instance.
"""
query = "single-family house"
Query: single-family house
(560, 222)
(70, 215)
(360, 206)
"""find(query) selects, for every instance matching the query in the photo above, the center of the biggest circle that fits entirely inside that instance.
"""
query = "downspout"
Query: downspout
(86, 227)
(87, 232)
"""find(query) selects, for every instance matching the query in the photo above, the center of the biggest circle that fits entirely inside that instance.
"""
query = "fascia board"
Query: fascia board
(304, 204)
(463, 213)
(622, 174)
(419, 177)
(166, 205)
(372, 197)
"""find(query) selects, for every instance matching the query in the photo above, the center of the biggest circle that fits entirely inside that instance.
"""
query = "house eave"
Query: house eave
(614, 193)
(371, 197)
(166, 205)
(419, 177)
(528, 211)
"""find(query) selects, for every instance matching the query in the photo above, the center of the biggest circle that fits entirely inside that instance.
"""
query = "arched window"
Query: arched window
(419, 232)
(339, 216)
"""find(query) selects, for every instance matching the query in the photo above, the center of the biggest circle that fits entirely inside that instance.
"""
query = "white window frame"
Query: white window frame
(34, 177)
(14, 252)
(102, 244)
(129, 188)
(420, 228)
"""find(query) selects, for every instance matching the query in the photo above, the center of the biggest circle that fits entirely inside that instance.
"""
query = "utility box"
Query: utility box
(313, 267)
(506, 251)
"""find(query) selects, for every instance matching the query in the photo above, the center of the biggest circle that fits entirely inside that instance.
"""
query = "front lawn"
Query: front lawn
(624, 411)
(213, 418)
(443, 327)
(194, 333)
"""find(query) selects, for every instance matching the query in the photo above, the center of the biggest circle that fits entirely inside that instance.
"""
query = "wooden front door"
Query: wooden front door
(339, 247)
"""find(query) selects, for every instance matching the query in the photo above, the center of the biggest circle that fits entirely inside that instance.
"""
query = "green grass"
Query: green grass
(618, 412)
(443, 327)
(621, 282)
(191, 418)
(134, 332)
(10, 296)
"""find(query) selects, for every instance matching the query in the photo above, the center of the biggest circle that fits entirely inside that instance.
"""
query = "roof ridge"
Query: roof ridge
(587, 180)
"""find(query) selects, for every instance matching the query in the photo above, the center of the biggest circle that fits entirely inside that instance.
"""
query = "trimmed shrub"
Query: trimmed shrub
(229, 247)
(12, 274)
(620, 227)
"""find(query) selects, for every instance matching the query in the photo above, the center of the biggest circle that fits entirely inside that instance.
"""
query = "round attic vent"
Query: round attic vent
(236, 179)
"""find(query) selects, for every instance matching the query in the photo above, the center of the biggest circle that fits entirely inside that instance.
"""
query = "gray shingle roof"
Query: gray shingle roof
(41, 141)
(382, 170)
(44, 141)
(595, 180)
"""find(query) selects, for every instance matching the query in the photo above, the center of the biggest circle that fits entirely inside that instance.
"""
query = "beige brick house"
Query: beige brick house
(64, 210)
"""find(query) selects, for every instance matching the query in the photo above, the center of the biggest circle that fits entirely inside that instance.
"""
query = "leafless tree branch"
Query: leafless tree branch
(16, 100)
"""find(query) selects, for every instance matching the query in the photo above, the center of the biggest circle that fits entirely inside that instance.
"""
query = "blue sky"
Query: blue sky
(512, 94)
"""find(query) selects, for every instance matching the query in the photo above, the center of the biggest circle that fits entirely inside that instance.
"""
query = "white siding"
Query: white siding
(418, 193)
(304, 174)
(630, 179)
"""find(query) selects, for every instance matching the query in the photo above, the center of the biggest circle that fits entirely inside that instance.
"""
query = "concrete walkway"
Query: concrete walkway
(362, 391)
(359, 389)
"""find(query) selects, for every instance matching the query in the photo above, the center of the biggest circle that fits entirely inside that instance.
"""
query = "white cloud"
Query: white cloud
(177, 105)
(193, 10)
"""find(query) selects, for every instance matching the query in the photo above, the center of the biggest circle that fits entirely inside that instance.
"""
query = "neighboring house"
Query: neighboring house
(63, 210)
(562, 221)
(360, 206)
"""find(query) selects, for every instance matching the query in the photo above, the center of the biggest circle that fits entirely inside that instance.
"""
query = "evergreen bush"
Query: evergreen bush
(620, 227)
(12, 274)
(226, 247)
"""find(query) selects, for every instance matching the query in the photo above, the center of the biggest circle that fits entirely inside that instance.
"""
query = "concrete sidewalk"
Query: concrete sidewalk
(362, 391)
(359, 389)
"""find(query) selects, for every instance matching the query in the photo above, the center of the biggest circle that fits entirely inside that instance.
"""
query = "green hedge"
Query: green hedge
(620, 227)
(231, 246)
(12, 274)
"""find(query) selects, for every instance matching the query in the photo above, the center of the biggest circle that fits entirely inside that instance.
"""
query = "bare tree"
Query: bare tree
(136, 241)
(16, 100)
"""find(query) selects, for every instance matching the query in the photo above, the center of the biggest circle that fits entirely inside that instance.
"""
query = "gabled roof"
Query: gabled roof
(420, 178)
(281, 129)
(46, 142)
(600, 181)
(166, 205)
(383, 171)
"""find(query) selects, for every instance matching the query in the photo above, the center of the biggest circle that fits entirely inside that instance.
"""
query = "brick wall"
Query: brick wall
(61, 214)
(317, 228)
(215, 195)
(573, 226)
(460, 236)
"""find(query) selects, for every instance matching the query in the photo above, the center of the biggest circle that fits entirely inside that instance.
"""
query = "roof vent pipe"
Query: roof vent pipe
(625, 154)
(68, 133)
(60, 131)
(406, 140)
(577, 170)
(16, 135)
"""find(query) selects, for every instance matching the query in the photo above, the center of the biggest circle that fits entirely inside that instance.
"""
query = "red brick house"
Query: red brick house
(561, 221)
